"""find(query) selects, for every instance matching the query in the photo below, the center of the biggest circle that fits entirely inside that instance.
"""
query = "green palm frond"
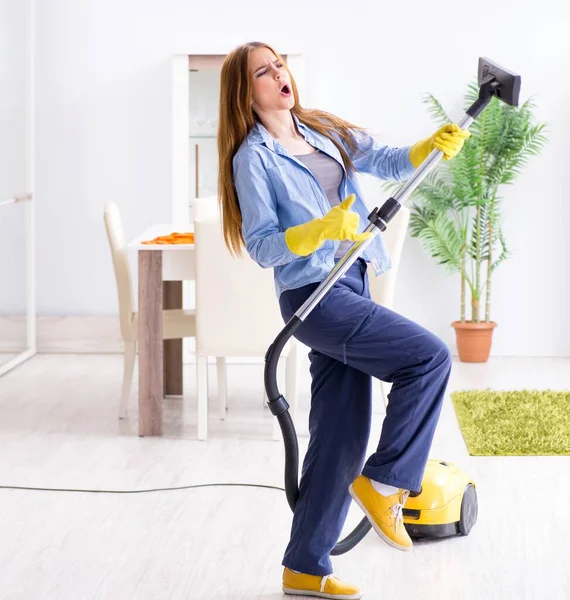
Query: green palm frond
(471, 93)
(482, 239)
(438, 195)
(436, 109)
(519, 139)
(440, 236)
(420, 219)
(466, 182)
(489, 230)
(505, 252)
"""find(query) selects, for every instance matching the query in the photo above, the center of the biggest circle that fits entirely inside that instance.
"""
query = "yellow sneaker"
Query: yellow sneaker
(383, 512)
(329, 586)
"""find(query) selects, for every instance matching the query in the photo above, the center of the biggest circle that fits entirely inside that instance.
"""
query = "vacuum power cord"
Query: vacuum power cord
(167, 489)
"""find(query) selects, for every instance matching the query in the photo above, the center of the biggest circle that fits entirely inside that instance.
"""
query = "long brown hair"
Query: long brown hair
(237, 118)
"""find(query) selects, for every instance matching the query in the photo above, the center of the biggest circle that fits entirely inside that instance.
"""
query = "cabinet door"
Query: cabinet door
(203, 104)
(195, 94)
(17, 308)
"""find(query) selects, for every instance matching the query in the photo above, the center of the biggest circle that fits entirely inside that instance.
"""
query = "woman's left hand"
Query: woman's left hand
(449, 139)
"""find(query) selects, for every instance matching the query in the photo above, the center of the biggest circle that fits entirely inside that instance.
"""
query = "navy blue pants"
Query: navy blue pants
(353, 339)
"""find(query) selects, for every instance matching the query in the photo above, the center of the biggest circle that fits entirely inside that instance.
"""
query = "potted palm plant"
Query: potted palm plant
(457, 215)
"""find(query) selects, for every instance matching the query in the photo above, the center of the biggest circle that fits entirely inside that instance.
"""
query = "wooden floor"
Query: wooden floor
(58, 428)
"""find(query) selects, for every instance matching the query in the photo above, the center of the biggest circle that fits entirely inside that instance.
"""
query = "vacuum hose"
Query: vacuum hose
(280, 408)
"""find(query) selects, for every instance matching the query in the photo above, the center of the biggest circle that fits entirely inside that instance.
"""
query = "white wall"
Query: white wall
(103, 131)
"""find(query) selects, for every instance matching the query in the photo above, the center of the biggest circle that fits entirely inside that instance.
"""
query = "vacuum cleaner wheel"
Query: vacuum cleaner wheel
(468, 510)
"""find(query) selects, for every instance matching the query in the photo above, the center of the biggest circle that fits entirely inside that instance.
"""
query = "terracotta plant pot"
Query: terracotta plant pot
(473, 340)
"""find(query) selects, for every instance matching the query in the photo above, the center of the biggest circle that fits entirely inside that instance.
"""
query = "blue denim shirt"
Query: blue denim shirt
(276, 191)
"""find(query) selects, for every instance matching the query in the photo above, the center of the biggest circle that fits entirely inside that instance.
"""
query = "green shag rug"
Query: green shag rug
(514, 423)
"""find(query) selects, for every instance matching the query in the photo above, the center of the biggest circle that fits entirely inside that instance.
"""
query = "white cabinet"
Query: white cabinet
(196, 91)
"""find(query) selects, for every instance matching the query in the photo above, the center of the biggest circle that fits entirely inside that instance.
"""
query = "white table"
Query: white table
(161, 270)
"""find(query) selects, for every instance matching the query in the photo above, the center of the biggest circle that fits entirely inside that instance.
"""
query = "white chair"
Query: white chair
(383, 287)
(237, 312)
(176, 324)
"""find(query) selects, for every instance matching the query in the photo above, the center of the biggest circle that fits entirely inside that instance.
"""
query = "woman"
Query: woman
(288, 193)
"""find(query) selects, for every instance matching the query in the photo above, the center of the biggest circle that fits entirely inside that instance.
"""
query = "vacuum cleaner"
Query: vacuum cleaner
(447, 502)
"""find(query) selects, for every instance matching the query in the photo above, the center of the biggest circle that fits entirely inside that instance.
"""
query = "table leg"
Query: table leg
(172, 348)
(150, 342)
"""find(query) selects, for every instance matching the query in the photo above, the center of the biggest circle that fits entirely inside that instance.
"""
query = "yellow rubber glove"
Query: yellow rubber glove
(340, 223)
(449, 139)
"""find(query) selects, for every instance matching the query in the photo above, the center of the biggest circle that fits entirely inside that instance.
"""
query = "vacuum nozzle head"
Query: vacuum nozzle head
(504, 84)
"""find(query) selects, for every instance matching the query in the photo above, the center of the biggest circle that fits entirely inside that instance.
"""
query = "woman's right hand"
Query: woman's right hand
(340, 223)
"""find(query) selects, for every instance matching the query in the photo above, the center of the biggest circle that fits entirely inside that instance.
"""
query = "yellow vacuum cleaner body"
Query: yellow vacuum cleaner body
(446, 504)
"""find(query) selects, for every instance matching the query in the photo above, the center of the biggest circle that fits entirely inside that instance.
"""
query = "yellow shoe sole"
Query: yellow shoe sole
(296, 592)
(375, 526)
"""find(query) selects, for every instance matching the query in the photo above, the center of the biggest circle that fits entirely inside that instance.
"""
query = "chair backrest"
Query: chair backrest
(116, 237)
(205, 207)
(383, 287)
(237, 310)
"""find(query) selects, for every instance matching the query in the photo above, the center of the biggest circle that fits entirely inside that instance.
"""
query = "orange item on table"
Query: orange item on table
(173, 238)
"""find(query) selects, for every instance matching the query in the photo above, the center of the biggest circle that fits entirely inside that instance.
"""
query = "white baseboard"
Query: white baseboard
(13, 335)
(102, 335)
(81, 335)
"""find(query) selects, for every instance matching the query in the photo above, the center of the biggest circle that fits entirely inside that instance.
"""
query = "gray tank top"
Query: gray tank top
(329, 174)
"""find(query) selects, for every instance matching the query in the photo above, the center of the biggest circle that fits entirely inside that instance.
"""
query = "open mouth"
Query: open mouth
(286, 90)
